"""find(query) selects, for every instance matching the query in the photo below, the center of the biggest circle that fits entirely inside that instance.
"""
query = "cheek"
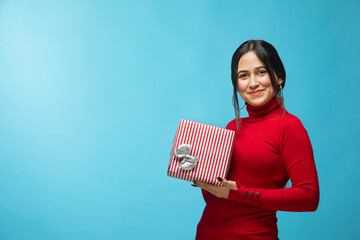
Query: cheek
(267, 82)
(242, 91)
(269, 86)
(242, 86)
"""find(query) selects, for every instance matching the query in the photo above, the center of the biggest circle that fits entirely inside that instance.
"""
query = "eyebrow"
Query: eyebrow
(247, 71)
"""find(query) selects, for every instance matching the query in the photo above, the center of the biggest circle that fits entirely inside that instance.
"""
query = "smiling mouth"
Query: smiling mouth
(256, 93)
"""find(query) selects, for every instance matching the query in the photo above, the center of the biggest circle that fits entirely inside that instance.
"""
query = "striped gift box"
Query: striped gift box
(212, 145)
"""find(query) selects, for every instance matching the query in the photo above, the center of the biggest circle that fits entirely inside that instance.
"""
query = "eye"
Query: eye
(242, 75)
(262, 72)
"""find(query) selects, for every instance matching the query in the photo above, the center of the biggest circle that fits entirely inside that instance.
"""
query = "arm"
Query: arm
(298, 159)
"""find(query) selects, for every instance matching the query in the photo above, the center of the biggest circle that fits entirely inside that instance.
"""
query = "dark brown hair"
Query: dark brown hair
(268, 55)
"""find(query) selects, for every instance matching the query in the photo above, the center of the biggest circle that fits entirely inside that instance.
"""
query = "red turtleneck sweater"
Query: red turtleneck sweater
(268, 151)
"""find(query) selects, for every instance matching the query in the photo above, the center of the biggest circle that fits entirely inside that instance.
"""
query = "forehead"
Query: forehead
(249, 61)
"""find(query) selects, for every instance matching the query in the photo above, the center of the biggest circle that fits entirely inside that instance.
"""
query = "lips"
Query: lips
(256, 92)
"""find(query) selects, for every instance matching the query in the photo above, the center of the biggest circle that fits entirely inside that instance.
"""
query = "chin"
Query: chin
(258, 102)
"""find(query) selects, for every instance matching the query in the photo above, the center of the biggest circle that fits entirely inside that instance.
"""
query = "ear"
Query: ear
(280, 81)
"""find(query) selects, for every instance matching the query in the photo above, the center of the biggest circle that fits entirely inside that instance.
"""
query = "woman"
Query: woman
(271, 146)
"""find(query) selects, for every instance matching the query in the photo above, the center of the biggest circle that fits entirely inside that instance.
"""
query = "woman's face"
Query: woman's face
(254, 84)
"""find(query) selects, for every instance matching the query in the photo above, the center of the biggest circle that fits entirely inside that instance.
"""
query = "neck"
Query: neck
(263, 110)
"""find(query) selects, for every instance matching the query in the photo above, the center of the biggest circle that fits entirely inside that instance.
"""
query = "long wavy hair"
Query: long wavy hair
(268, 55)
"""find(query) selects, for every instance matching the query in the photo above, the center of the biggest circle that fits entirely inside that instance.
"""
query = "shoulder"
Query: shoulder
(294, 137)
(231, 125)
(292, 123)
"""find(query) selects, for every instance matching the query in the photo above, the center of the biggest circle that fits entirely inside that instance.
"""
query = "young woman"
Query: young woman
(271, 146)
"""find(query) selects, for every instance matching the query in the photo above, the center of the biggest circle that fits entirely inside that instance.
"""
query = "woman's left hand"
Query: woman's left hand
(219, 191)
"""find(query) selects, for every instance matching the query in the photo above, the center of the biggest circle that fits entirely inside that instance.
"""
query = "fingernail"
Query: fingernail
(219, 179)
(194, 182)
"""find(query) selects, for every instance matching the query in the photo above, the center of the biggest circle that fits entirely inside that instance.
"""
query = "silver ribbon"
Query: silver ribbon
(187, 162)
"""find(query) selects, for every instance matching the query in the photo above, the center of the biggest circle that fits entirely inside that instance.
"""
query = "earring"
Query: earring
(280, 92)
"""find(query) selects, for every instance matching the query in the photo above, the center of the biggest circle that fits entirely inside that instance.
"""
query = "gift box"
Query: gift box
(200, 152)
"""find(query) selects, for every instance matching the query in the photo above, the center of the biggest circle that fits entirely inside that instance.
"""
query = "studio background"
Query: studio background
(91, 93)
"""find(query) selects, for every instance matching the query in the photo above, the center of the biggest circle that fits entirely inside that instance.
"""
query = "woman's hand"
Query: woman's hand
(219, 191)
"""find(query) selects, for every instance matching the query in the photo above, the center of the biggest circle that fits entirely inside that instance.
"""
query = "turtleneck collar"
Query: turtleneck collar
(263, 110)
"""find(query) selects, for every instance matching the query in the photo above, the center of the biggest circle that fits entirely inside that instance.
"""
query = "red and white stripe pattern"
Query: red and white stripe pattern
(213, 146)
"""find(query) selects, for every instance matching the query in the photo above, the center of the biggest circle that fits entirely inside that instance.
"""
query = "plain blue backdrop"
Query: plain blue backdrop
(91, 93)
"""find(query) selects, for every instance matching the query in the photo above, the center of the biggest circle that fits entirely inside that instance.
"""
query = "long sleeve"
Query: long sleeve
(270, 147)
(297, 157)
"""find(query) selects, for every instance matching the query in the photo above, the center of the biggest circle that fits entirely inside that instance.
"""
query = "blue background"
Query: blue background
(91, 93)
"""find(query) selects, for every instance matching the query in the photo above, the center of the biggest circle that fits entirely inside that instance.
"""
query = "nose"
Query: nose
(253, 82)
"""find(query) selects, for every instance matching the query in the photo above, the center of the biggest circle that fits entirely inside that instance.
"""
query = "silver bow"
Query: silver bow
(187, 162)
